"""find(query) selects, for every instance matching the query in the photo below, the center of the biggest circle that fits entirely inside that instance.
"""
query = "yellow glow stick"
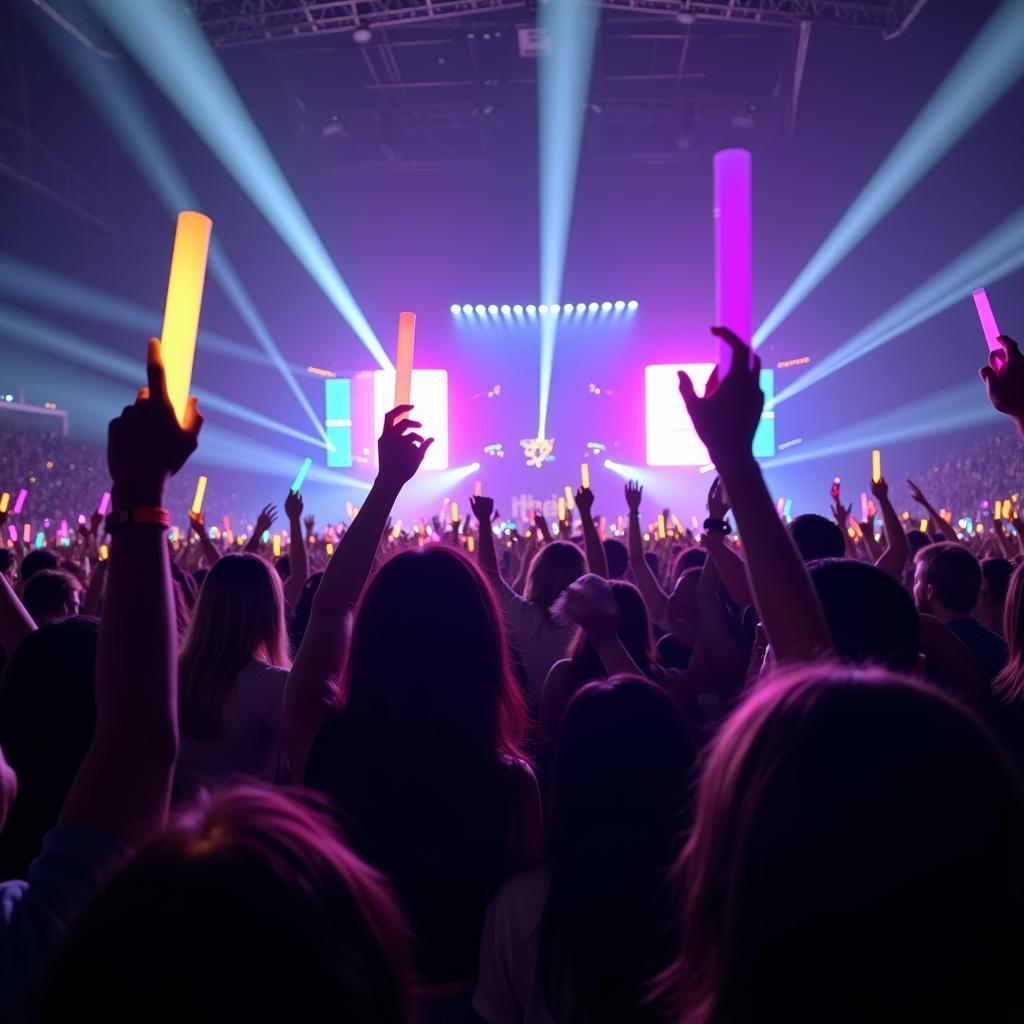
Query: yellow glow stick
(585, 475)
(330, 548)
(350, 510)
(661, 526)
(276, 545)
(924, 525)
(570, 502)
(454, 507)
(478, 488)
(104, 552)
(470, 545)
(876, 465)
(197, 501)
(1007, 509)
(184, 300)
(5, 500)
(403, 359)
(997, 504)
(561, 510)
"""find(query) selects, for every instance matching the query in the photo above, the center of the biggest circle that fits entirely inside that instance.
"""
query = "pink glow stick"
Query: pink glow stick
(987, 318)
(104, 506)
(20, 503)
(733, 247)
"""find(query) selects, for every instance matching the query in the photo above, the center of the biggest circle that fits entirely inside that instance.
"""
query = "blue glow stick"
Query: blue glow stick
(300, 477)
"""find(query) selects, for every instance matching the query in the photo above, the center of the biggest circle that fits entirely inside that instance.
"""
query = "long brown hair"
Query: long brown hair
(1009, 684)
(556, 567)
(239, 618)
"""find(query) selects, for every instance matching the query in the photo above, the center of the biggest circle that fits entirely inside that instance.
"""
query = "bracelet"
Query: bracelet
(717, 525)
(158, 517)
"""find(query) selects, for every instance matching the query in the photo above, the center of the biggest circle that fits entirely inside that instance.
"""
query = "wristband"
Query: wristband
(717, 525)
(158, 517)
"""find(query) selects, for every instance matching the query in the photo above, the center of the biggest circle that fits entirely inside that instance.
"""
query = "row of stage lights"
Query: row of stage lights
(531, 310)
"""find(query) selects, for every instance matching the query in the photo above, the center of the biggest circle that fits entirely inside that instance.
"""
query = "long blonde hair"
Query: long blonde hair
(238, 618)
(1008, 686)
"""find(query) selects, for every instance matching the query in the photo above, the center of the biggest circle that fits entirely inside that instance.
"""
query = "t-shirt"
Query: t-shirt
(34, 915)
(989, 648)
(508, 990)
(537, 639)
(251, 744)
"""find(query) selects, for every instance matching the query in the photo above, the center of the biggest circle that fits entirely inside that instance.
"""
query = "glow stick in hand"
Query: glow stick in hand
(403, 358)
(5, 500)
(987, 318)
(585, 476)
(454, 507)
(104, 506)
(300, 477)
(197, 501)
(478, 488)
(876, 465)
(19, 502)
(184, 300)
(561, 510)
(570, 502)
(863, 507)
(733, 247)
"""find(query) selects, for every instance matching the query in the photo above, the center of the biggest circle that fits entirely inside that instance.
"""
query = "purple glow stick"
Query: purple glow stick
(987, 318)
(104, 506)
(20, 503)
(733, 247)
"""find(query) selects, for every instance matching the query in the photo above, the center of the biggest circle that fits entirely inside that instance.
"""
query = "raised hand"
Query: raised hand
(634, 494)
(590, 603)
(916, 494)
(584, 500)
(95, 522)
(310, 523)
(145, 444)
(1004, 380)
(841, 513)
(542, 526)
(265, 520)
(483, 508)
(726, 417)
(197, 521)
(880, 489)
(293, 507)
(400, 450)
(718, 500)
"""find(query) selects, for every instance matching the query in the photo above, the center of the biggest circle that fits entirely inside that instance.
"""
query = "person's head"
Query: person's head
(8, 565)
(283, 565)
(238, 619)
(995, 581)
(47, 719)
(622, 767)
(683, 614)
(690, 558)
(38, 560)
(855, 856)
(817, 537)
(1009, 684)
(249, 906)
(51, 594)
(634, 632)
(429, 663)
(556, 566)
(870, 616)
(303, 609)
(947, 580)
(617, 555)
(917, 540)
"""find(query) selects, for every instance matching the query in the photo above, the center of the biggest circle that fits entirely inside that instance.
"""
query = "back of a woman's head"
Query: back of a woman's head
(303, 608)
(556, 566)
(47, 719)
(429, 659)
(622, 770)
(634, 631)
(1009, 684)
(249, 907)
(855, 855)
(238, 618)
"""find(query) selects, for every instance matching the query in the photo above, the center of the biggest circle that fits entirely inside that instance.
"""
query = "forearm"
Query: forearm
(209, 549)
(647, 583)
(597, 561)
(897, 548)
(731, 568)
(782, 590)
(15, 622)
(614, 656)
(298, 557)
(486, 555)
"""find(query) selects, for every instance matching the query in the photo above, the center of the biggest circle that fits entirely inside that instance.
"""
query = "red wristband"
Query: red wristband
(158, 517)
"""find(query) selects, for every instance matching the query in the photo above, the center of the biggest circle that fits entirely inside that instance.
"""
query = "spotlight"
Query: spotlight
(506, 310)
(567, 309)
(555, 308)
(531, 309)
(581, 307)
(362, 35)
(593, 307)
(542, 308)
(481, 310)
(632, 304)
(467, 309)
(606, 306)
(456, 309)
(517, 309)
(620, 305)
(685, 18)
(492, 309)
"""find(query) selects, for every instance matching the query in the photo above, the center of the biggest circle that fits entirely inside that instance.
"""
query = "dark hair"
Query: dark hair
(283, 565)
(249, 907)
(855, 856)
(817, 537)
(7, 562)
(917, 540)
(872, 619)
(48, 593)
(37, 560)
(996, 573)
(47, 720)
(617, 555)
(301, 612)
(953, 573)
(691, 558)
(556, 567)
(634, 631)
(419, 756)
(622, 769)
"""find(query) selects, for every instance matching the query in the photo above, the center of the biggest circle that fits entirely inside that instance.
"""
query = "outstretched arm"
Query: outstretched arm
(1004, 380)
(15, 622)
(650, 589)
(726, 419)
(730, 566)
(210, 552)
(321, 656)
(124, 784)
(264, 521)
(297, 550)
(597, 561)
(483, 509)
(946, 529)
(897, 547)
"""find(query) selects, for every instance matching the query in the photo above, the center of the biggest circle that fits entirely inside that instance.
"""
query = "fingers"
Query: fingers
(735, 343)
(418, 438)
(988, 375)
(155, 375)
(142, 395)
(193, 421)
(393, 414)
(686, 389)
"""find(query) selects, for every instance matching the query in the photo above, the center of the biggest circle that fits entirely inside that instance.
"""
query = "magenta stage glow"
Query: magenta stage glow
(733, 246)
(987, 318)
(429, 398)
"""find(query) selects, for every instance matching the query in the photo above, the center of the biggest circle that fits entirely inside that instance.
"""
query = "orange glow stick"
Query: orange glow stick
(184, 301)
(454, 508)
(585, 476)
(403, 359)
(561, 510)
(478, 488)
(5, 500)
(197, 501)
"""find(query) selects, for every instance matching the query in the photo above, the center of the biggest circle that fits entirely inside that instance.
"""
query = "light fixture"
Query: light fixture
(593, 307)
(467, 308)
(620, 305)
(506, 309)
(456, 309)
(362, 35)
(517, 309)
